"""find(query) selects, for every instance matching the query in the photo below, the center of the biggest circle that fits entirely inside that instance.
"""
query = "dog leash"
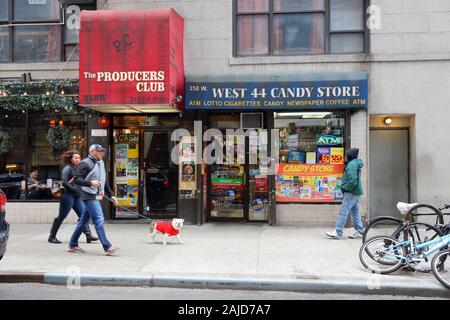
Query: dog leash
(128, 210)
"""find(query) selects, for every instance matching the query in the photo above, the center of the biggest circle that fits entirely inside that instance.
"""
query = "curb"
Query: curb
(331, 286)
(9, 277)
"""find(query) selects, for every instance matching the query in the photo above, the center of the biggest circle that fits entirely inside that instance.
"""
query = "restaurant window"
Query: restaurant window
(40, 30)
(294, 27)
(31, 169)
(311, 156)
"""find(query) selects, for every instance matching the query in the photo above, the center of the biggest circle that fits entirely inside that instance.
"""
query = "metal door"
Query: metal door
(389, 171)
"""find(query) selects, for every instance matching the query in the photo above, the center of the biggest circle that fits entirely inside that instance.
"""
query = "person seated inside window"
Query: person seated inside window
(36, 190)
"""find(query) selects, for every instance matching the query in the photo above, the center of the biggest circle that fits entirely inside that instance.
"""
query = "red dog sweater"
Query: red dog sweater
(166, 228)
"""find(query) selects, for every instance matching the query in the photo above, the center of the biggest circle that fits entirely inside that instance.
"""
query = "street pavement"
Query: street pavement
(229, 250)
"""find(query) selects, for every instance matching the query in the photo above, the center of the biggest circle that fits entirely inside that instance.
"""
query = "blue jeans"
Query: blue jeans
(350, 205)
(69, 202)
(95, 212)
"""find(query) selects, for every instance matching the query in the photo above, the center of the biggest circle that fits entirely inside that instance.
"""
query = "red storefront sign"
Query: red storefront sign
(131, 60)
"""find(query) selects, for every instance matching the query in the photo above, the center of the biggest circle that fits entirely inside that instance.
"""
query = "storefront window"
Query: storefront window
(13, 162)
(31, 169)
(311, 156)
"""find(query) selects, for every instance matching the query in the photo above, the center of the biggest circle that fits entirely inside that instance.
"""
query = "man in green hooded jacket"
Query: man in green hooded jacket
(352, 189)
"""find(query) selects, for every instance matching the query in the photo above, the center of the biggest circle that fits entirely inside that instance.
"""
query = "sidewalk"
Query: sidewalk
(234, 255)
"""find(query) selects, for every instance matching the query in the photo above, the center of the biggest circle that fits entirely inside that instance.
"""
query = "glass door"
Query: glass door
(227, 191)
(258, 183)
(227, 177)
(159, 175)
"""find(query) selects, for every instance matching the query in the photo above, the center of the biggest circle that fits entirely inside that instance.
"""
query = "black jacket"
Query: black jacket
(68, 173)
(82, 171)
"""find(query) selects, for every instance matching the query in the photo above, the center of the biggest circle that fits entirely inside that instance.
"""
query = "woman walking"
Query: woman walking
(70, 198)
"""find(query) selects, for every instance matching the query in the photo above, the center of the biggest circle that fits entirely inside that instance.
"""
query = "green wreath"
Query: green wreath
(59, 137)
(5, 142)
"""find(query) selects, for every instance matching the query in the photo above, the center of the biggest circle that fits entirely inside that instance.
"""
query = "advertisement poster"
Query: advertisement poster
(311, 157)
(309, 183)
(293, 141)
(296, 156)
(225, 183)
(133, 151)
(323, 155)
(127, 193)
(261, 184)
(187, 150)
(337, 156)
(132, 167)
(121, 169)
(121, 151)
(122, 190)
(188, 172)
(187, 169)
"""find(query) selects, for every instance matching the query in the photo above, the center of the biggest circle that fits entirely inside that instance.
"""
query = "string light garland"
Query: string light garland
(61, 95)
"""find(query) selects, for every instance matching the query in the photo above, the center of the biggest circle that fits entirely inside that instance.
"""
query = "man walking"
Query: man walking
(91, 179)
(352, 189)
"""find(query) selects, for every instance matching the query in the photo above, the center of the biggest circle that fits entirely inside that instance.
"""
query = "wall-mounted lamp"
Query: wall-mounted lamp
(387, 121)
(178, 99)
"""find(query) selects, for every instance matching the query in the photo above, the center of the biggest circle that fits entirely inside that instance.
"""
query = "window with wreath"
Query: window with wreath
(295, 27)
(31, 146)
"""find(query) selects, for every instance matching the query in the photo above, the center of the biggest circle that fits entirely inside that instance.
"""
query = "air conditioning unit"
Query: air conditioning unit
(252, 120)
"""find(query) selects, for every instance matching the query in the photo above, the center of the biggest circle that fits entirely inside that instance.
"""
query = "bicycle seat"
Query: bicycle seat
(405, 207)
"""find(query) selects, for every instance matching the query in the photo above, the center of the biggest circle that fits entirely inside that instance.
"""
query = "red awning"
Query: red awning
(132, 61)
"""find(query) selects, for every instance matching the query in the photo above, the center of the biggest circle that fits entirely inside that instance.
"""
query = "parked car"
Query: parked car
(4, 226)
(11, 184)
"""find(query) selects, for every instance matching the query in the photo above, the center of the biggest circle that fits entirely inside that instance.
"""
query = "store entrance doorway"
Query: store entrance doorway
(236, 191)
(159, 175)
(389, 171)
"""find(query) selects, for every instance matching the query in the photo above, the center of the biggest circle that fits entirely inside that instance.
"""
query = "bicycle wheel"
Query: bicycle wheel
(381, 226)
(441, 270)
(418, 234)
(382, 254)
(426, 213)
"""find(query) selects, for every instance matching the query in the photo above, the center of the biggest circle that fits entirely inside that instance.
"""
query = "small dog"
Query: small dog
(167, 228)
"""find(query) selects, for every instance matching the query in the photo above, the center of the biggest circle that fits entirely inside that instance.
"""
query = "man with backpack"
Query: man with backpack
(91, 180)
(352, 189)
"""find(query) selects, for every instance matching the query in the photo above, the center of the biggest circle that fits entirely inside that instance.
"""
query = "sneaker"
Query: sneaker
(76, 250)
(111, 250)
(355, 235)
(333, 234)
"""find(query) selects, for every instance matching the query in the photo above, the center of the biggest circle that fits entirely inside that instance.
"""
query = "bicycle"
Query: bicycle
(391, 226)
(390, 254)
